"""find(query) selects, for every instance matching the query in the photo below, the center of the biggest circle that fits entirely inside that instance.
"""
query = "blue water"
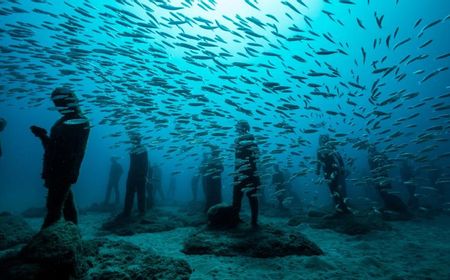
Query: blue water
(133, 69)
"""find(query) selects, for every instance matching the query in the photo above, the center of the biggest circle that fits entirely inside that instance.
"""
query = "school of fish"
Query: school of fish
(184, 80)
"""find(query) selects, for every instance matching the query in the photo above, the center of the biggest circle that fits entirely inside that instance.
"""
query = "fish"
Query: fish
(443, 56)
(360, 23)
(170, 7)
(164, 67)
(428, 26)
(379, 20)
(402, 43)
(76, 121)
(426, 44)
(417, 22)
(364, 55)
(251, 4)
(433, 74)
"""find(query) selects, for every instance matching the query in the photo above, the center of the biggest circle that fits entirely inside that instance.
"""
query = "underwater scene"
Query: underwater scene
(224, 139)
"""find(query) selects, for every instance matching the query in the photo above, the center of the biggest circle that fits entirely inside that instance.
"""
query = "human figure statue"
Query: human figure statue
(172, 188)
(137, 176)
(64, 151)
(195, 180)
(434, 173)
(330, 161)
(156, 182)
(378, 164)
(279, 184)
(150, 189)
(198, 178)
(115, 173)
(407, 177)
(213, 179)
(2, 127)
(290, 192)
(246, 180)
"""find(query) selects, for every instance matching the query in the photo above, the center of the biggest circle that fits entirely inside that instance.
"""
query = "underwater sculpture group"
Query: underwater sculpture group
(226, 233)
(64, 150)
(372, 74)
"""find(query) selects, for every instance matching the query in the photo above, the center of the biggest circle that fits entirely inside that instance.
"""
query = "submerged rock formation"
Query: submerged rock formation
(102, 208)
(54, 253)
(34, 212)
(155, 221)
(395, 216)
(58, 252)
(264, 242)
(13, 231)
(117, 260)
(352, 224)
(126, 226)
(222, 216)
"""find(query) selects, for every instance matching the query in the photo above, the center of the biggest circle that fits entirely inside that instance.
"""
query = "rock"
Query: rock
(102, 208)
(156, 220)
(316, 214)
(191, 219)
(35, 212)
(222, 216)
(192, 207)
(62, 239)
(395, 207)
(278, 212)
(395, 216)
(13, 230)
(317, 264)
(59, 253)
(191, 215)
(352, 224)
(54, 253)
(264, 242)
(117, 260)
(296, 221)
(151, 222)
(301, 218)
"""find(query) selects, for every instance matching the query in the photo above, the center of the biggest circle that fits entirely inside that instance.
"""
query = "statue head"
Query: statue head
(242, 127)
(323, 139)
(2, 124)
(66, 101)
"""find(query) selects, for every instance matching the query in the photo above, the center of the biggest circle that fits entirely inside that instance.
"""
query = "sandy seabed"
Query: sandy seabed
(418, 249)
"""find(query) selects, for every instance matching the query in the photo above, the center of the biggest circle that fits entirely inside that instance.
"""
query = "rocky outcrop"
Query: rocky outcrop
(156, 220)
(353, 224)
(54, 253)
(34, 212)
(263, 242)
(13, 231)
(222, 216)
(126, 226)
(117, 260)
(58, 252)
